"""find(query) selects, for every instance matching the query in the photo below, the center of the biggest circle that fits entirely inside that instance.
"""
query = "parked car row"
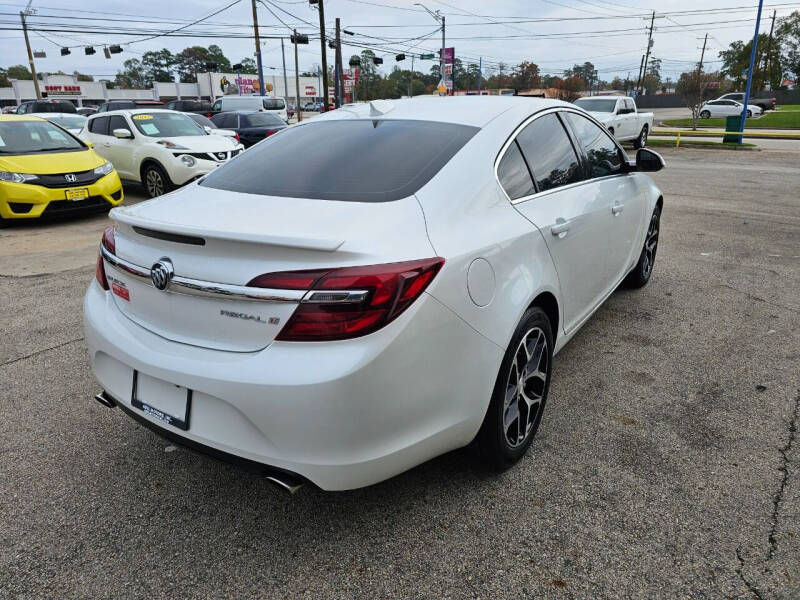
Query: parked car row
(727, 108)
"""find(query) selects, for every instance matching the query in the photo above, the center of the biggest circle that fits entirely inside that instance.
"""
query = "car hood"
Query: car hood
(201, 143)
(51, 162)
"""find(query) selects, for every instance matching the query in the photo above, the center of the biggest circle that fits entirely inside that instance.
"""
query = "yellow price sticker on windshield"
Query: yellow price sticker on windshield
(142, 117)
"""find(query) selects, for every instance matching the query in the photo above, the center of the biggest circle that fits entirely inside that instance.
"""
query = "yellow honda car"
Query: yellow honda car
(46, 171)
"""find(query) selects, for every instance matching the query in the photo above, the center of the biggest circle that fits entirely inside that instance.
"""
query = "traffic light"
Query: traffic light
(237, 67)
(377, 60)
(355, 61)
(64, 51)
(400, 57)
(89, 50)
(299, 38)
(115, 49)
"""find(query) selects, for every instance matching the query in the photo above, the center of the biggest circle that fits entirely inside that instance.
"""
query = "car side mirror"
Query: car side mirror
(649, 161)
(89, 144)
(123, 134)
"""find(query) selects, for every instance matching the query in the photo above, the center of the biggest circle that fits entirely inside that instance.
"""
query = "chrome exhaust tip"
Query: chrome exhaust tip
(285, 482)
(106, 400)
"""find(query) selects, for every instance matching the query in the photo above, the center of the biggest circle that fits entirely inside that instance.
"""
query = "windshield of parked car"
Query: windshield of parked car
(30, 137)
(69, 122)
(201, 120)
(166, 125)
(261, 120)
(326, 160)
(604, 105)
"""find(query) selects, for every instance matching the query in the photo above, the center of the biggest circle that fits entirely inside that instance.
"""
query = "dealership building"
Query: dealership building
(208, 86)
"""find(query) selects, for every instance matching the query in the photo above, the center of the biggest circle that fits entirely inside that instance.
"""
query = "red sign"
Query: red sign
(350, 79)
(63, 90)
(449, 55)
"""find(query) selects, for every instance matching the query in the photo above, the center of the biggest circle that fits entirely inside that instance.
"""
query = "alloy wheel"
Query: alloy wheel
(154, 182)
(651, 245)
(643, 137)
(525, 387)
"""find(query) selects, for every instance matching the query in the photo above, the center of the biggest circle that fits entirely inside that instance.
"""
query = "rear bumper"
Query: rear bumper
(29, 201)
(339, 414)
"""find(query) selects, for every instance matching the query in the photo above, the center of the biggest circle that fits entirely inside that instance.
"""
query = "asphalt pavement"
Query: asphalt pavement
(666, 465)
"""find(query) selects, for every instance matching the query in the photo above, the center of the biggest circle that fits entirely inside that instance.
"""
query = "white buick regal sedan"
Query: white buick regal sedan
(372, 288)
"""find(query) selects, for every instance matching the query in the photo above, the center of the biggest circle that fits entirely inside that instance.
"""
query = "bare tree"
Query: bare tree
(696, 87)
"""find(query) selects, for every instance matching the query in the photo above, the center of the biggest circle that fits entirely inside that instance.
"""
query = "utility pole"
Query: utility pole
(285, 81)
(639, 79)
(439, 18)
(411, 78)
(700, 64)
(298, 111)
(258, 50)
(769, 49)
(321, 8)
(649, 45)
(444, 76)
(339, 74)
(22, 15)
(480, 73)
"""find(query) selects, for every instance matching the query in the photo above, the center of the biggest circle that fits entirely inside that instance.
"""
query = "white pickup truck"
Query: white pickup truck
(620, 116)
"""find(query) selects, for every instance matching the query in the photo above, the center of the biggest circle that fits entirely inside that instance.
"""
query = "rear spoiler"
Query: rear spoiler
(319, 244)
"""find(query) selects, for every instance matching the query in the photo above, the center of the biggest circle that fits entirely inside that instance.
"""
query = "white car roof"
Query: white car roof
(56, 115)
(476, 111)
(133, 111)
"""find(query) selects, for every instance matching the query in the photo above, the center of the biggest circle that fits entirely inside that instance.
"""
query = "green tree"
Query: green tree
(736, 61)
(526, 77)
(158, 65)
(191, 61)
(788, 38)
(82, 77)
(249, 66)
(696, 88)
(4, 82)
(216, 55)
(132, 75)
(19, 72)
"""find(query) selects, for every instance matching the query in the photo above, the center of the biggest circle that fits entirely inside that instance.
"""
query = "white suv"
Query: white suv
(161, 149)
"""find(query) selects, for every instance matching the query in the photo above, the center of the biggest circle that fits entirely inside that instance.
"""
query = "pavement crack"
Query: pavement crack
(740, 572)
(784, 470)
(61, 345)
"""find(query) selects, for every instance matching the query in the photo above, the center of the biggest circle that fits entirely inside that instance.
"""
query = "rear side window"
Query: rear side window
(326, 160)
(549, 153)
(274, 103)
(514, 175)
(99, 126)
(603, 155)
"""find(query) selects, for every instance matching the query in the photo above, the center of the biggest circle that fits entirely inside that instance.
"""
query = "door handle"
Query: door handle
(561, 227)
(617, 208)
(106, 145)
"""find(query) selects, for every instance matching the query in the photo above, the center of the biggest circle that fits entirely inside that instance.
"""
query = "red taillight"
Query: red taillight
(270, 132)
(351, 301)
(109, 244)
(208, 115)
(236, 135)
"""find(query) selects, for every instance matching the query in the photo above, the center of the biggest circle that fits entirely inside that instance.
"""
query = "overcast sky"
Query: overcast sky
(599, 31)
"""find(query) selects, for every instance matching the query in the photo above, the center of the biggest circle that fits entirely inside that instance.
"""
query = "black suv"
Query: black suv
(46, 106)
(126, 104)
(192, 106)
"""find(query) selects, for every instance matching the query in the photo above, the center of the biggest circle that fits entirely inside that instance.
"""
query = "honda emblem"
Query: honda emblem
(71, 177)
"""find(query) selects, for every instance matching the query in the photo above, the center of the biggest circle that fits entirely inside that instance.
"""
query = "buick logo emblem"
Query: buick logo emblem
(71, 177)
(161, 273)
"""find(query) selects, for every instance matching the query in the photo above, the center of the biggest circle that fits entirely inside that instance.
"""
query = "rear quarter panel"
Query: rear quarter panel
(469, 217)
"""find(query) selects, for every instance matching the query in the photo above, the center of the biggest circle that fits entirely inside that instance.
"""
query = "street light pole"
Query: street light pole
(298, 112)
(285, 80)
(440, 19)
(750, 69)
(321, 8)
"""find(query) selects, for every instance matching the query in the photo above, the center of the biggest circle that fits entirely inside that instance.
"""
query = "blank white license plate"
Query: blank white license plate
(162, 400)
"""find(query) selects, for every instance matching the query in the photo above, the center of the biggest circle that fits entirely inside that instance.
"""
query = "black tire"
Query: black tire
(152, 174)
(492, 441)
(644, 266)
(641, 141)
(705, 115)
(749, 113)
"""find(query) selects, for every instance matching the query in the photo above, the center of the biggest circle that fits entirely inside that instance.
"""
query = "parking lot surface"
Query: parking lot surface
(666, 464)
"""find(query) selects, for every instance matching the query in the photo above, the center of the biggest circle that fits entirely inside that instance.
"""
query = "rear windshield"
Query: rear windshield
(274, 103)
(351, 160)
(48, 107)
(69, 122)
(602, 105)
